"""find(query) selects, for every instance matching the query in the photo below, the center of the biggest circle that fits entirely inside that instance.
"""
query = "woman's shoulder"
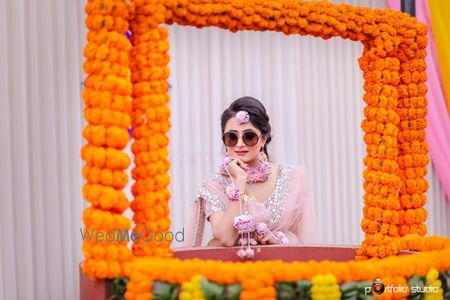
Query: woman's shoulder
(294, 172)
(213, 187)
(298, 169)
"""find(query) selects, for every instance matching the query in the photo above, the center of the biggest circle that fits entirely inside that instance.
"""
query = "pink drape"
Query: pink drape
(438, 130)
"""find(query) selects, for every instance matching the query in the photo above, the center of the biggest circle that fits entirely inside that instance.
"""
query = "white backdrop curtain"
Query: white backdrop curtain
(312, 89)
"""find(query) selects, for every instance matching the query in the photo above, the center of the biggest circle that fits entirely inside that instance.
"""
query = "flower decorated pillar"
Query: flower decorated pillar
(107, 99)
(394, 125)
(150, 119)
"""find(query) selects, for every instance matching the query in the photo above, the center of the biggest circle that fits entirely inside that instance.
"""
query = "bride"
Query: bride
(251, 200)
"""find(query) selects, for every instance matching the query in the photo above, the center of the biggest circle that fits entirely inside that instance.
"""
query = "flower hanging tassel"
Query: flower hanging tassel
(245, 224)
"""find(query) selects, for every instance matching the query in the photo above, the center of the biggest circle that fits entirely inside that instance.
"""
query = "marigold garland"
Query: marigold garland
(150, 118)
(106, 95)
(393, 68)
(192, 289)
(325, 287)
(258, 278)
(432, 280)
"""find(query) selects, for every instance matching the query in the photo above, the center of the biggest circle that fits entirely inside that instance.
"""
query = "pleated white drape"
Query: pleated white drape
(312, 89)
(40, 129)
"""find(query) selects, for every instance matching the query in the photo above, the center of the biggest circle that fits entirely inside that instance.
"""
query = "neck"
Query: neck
(254, 163)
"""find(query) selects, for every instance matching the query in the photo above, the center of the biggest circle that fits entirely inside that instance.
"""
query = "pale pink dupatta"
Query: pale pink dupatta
(212, 191)
(299, 220)
(294, 212)
(195, 225)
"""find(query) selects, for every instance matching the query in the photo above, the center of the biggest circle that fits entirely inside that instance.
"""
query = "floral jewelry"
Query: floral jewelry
(226, 161)
(262, 157)
(242, 117)
(232, 192)
(280, 237)
(245, 225)
(254, 175)
(260, 173)
(243, 242)
(262, 229)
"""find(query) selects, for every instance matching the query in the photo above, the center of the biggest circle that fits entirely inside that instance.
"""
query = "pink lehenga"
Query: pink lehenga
(288, 209)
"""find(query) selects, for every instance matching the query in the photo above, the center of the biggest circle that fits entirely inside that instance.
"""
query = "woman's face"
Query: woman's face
(241, 150)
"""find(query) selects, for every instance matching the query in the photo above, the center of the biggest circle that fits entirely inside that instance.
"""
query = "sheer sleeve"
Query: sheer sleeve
(210, 199)
(214, 197)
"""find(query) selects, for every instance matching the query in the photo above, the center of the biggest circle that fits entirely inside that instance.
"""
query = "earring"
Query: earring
(262, 157)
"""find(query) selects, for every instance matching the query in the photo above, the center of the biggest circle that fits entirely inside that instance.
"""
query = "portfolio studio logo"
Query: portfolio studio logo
(378, 287)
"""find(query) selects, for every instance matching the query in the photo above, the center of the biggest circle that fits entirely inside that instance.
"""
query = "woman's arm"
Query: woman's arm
(222, 221)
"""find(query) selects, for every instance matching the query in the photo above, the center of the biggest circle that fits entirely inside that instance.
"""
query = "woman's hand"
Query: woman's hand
(267, 240)
(237, 169)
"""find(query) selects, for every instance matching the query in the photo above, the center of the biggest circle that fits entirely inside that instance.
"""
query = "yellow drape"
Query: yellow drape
(440, 22)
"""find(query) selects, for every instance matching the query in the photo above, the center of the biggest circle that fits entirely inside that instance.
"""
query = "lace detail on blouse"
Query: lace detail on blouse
(277, 200)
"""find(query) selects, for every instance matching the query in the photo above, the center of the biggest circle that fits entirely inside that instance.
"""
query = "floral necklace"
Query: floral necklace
(254, 174)
(258, 174)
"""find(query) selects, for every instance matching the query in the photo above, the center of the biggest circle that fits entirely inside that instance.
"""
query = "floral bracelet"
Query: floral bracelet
(280, 237)
(232, 192)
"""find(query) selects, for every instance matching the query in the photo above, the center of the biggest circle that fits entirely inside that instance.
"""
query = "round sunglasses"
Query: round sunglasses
(250, 138)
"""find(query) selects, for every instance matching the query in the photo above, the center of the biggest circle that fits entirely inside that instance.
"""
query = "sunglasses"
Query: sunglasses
(250, 138)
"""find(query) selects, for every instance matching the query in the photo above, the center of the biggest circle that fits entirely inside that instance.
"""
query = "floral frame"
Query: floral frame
(127, 86)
